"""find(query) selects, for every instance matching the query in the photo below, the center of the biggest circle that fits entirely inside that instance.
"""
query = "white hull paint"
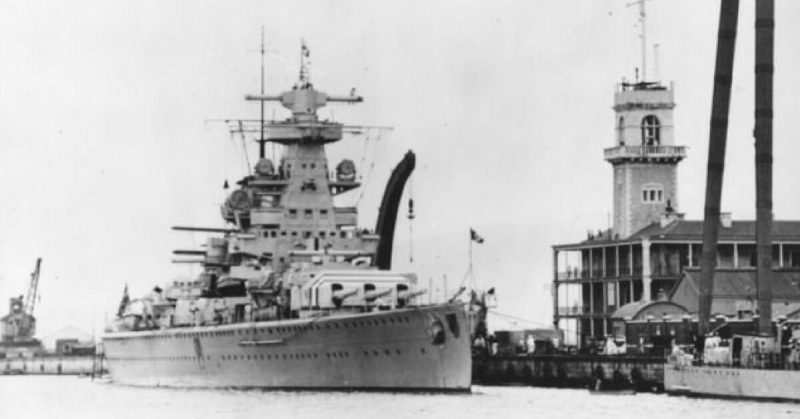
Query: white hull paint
(391, 350)
(737, 383)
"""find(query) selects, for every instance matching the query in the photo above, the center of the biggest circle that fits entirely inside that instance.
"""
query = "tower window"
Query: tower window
(621, 131)
(652, 194)
(651, 130)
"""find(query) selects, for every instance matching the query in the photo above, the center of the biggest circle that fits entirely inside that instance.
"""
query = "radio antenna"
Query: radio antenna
(643, 34)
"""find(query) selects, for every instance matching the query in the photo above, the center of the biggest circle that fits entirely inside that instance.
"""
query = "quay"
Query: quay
(644, 372)
(53, 365)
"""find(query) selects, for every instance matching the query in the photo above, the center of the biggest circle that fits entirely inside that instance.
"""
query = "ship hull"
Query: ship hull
(735, 383)
(390, 350)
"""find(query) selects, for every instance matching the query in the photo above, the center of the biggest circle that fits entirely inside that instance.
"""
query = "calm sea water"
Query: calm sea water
(68, 397)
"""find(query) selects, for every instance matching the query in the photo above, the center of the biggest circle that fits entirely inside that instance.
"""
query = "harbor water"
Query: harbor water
(68, 397)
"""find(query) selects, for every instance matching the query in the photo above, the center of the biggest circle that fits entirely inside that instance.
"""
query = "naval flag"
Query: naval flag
(474, 236)
(124, 303)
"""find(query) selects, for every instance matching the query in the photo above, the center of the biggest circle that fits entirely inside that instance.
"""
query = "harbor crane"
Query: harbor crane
(33, 288)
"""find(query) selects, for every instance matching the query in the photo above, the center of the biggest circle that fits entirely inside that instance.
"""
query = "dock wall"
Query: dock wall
(644, 373)
(51, 365)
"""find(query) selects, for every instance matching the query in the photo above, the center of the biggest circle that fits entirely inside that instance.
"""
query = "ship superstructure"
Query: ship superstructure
(294, 293)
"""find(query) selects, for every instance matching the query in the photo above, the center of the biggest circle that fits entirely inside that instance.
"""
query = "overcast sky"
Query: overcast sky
(107, 135)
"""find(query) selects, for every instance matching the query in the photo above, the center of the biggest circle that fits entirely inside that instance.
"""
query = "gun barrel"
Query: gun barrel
(343, 294)
(371, 295)
(407, 295)
(345, 99)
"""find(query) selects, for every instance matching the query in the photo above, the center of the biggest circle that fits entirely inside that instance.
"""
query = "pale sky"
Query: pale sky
(106, 138)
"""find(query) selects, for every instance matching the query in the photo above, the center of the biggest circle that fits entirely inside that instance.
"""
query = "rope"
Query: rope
(371, 167)
(519, 319)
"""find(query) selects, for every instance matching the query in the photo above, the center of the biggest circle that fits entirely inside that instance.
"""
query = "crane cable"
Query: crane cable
(371, 166)
(411, 216)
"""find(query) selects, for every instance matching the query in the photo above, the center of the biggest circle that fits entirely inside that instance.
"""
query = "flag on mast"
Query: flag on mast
(124, 302)
(474, 236)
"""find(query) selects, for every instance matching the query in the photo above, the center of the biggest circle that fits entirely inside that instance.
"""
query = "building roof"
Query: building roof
(638, 309)
(692, 230)
(739, 230)
(734, 288)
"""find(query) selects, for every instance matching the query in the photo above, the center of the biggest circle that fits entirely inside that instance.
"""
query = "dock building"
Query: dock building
(652, 253)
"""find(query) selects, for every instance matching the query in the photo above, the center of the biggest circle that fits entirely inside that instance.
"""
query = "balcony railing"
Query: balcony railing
(632, 152)
(572, 310)
(577, 274)
(584, 311)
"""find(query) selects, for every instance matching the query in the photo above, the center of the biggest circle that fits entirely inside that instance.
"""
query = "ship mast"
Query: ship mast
(720, 106)
(262, 140)
(765, 46)
(764, 69)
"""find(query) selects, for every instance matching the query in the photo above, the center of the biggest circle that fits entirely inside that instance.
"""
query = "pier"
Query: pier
(644, 373)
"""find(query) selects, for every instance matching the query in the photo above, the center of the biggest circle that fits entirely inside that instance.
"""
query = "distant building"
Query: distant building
(734, 294)
(17, 330)
(651, 248)
(74, 347)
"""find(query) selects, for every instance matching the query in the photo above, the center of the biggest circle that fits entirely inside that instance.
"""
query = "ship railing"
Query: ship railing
(760, 361)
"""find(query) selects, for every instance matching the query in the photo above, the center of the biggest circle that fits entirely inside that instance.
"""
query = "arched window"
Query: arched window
(651, 130)
(621, 131)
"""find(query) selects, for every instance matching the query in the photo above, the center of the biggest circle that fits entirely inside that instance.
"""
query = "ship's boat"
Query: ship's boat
(294, 293)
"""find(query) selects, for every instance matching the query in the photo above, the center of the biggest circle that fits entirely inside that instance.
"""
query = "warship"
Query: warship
(293, 293)
(762, 363)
